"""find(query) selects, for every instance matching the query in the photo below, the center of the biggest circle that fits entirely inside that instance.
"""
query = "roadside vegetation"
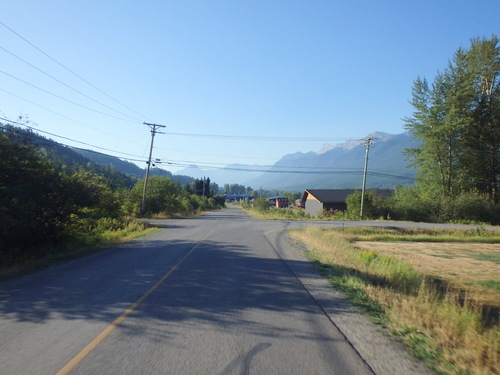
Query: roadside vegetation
(106, 234)
(407, 204)
(441, 301)
(54, 207)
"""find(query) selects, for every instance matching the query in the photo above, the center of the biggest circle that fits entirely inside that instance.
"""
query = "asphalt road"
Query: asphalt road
(217, 294)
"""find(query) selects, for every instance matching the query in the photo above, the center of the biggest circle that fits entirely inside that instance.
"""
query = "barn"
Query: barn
(317, 200)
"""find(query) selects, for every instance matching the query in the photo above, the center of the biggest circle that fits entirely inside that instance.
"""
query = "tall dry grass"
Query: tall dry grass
(438, 323)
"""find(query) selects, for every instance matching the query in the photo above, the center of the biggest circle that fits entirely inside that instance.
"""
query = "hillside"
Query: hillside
(341, 166)
(338, 166)
(66, 159)
(121, 173)
(334, 166)
(123, 166)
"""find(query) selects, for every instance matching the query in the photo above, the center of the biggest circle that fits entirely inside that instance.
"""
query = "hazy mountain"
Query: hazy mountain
(333, 166)
(342, 165)
(230, 174)
(337, 166)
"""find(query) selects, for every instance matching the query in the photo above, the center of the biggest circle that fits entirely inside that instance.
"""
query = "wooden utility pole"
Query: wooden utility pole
(368, 143)
(153, 132)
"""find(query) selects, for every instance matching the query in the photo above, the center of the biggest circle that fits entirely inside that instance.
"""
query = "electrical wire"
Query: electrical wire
(62, 98)
(210, 154)
(72, 72)
(250, 166)
(275, 138)
(66, 138)
(68, 86)
(326, 171)
(67, 117)
(258, 169)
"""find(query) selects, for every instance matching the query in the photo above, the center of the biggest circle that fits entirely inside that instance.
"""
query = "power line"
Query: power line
(66, 138)
(292, 171)
(66, 117)
(62, 98)
(215, 165)
(68, 86)
(210, 154)
(69, 70)
(276, 138)
(261, 169)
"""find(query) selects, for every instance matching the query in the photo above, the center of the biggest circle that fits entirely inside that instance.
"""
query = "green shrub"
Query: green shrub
(261, 204)
(470, 207)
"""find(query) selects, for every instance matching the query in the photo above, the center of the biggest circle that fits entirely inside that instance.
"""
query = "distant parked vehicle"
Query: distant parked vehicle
(299, 203)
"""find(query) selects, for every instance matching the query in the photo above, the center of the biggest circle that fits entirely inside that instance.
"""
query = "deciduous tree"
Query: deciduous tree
(458, 121)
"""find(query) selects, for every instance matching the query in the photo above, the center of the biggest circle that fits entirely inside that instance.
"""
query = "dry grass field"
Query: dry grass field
(474, 267)
(437, 291)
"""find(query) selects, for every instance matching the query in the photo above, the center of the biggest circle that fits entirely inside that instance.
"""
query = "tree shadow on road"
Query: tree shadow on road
(219, 283)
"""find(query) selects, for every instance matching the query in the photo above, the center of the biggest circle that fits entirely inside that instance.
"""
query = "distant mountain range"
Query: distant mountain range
(334, 166)
(338, 166)
(229, 174)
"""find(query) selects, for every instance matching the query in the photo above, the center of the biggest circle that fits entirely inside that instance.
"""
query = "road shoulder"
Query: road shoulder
(382, 353)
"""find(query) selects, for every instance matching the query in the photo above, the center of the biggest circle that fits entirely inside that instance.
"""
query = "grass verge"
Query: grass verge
(105, 236)
(438, 323)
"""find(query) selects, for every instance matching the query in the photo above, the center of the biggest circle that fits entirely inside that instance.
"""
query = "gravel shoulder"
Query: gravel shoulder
(382, 353)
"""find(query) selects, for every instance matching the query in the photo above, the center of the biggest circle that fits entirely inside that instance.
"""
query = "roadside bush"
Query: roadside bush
(189, 204)
(374, 206)
(470, 207)
(261, 204)
(416, 203)
(163, 196)
(409, 203)
(108, 224)
(95, 196)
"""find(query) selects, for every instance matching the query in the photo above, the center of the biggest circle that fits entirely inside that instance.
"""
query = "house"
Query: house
(279, 202)
(316, 201)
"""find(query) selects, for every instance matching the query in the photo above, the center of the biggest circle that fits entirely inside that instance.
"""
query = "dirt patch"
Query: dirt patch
(464, 265)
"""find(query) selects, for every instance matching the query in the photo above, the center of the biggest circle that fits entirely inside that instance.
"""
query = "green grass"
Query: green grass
(353, 287)
(487, 257)
(477, 235)
(420, 345)
(443, 256)
(492, 284)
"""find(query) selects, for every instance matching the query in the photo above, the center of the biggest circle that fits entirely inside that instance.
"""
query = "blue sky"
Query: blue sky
(273, 77)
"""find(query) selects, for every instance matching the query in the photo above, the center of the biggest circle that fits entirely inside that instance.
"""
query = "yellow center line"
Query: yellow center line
(107, 331)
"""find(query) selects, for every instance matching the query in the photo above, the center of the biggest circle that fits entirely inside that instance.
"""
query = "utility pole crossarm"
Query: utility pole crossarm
(153, 133)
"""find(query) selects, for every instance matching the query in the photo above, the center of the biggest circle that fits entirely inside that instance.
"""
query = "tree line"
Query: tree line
(49, 199)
